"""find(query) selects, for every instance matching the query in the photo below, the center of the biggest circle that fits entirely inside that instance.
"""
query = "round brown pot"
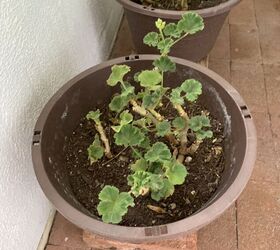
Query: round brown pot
(141, 20)
(89, 90)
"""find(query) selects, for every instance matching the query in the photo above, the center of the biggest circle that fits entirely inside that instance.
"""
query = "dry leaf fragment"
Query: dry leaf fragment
(157, 209)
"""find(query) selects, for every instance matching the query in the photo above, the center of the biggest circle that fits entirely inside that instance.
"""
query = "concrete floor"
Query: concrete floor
(247, 54)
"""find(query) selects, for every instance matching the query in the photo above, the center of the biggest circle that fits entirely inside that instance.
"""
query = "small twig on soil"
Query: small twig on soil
(116, 156)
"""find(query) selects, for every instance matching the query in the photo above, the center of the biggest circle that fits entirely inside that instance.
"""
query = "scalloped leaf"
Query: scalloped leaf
(125, 118)
(202, 134)
(176, 172)
(95, 150)
(179, 123)
(149, 78)
(198, 122)
(166, 191)
(129, 136)
(113, 205)
(165, 64)
(171, 30)
(163, 128)
(165, 45)
(159, 152)
(139, 165)
(118, 103)
(151, 39)
(175, 96)
(192, 88)
(152, 99)
(139, 182)
(190, 23)
(117, 74)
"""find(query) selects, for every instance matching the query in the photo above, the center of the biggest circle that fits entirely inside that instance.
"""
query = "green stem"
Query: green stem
(136, 152)
(161, 34)
(179, 39)
(123, 85)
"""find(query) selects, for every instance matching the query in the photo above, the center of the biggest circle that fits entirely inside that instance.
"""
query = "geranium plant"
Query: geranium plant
(158, 145)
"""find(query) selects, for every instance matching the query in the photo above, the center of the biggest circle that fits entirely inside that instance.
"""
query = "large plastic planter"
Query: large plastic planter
(88, 90)
(141, 20)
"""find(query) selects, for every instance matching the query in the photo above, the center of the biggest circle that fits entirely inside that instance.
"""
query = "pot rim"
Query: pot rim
(174, 14)
(153, 233)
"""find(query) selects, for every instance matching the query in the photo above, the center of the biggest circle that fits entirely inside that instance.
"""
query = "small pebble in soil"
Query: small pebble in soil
(172, 206)
(188, 159)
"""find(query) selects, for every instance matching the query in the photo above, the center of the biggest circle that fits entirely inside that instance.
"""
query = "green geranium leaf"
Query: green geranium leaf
(179, 123)
(165, 64)
(152, 99)
(196, 123)
(139, 165)
(192, 88)
(159, 152)
(94, 115)
(126, 118)
(156, 182)
(163, 128)
(95, 150)
(171, 30)
(128, 91)
(118, 103)
(149, 78)
(176, 97)
(129, 136)
(201, 134)
(151, 39)
(135, 77)
(166, 191)
(113, 205)
(145, 143)
(176, 172)
(142, 182)
(139, 182)
(117, 75)
(165, 45)
(190, 23)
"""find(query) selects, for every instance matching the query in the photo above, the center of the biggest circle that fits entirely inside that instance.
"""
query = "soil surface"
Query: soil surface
(204, 172)
(176, 4)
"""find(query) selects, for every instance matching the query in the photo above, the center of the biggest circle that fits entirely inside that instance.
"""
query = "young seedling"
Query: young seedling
(156, 170)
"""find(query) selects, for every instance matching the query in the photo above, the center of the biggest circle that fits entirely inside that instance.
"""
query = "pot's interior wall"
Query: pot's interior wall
(42, 45)
(89, 92)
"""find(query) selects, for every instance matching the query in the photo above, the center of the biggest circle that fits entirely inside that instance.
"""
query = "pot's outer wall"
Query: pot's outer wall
(141, 20)
(87, 91)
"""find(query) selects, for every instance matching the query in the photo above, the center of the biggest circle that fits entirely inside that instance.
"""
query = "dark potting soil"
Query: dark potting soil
(176, 4)
(204, 172)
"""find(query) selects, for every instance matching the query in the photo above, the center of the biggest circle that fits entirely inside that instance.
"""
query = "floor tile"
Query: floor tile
(269, 41)
(267, 12)
(243, 13)
(244, 44)
(258, 216)
(248, 79)
(220, 234)
(65, 234)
